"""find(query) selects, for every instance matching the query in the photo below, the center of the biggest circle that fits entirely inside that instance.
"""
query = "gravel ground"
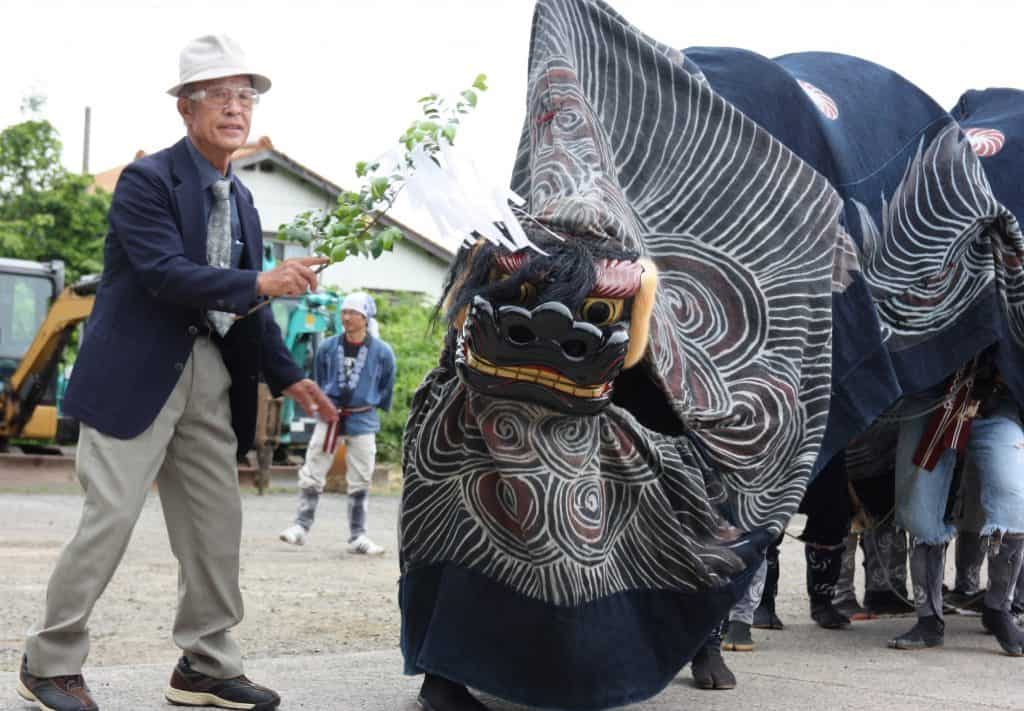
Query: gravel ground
(322, 626)
(314, 599)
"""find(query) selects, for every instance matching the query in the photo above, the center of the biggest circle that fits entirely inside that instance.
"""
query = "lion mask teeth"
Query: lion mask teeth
(540, 376)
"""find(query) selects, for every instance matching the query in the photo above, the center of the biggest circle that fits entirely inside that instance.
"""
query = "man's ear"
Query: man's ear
(184, 108)
(640, 316)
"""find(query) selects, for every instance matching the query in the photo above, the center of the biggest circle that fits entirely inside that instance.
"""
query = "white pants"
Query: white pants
(360, 454)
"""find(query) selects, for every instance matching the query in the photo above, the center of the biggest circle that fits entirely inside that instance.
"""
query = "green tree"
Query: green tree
(47, 212)
(405, 323)
(353, 228)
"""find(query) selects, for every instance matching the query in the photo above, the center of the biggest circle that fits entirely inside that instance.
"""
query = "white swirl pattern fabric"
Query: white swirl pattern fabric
(624, 142)
(558, 507)
(931, 260)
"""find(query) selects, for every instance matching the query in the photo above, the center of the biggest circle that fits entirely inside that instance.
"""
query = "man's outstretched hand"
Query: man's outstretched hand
(292, 277)
(312, 399)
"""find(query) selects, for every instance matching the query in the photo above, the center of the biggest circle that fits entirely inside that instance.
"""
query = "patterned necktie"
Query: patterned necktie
(218, 245)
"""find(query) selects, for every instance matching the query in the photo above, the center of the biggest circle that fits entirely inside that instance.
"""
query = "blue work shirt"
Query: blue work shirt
(375, 386)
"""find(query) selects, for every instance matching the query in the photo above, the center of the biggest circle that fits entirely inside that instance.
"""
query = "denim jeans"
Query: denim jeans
(743, 610)
(995, 460)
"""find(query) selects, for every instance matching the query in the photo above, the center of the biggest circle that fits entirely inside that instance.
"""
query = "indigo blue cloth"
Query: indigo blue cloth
(544, 561)
(154, 293)
(523, 649)
(993, 120)
(862, 126)
(375, 386)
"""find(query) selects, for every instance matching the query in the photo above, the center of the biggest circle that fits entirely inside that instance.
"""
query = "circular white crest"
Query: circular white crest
(985, 141)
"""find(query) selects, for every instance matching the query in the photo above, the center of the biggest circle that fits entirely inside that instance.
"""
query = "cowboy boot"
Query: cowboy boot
(823, 566)
(765, 616)
(708, 667)
(927, 564)
(844, 599)
(885, 570)
(1005, 561)
(967, 594)
(1017, 608)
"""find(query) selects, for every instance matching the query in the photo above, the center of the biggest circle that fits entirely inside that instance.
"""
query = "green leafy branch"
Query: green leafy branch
(354, 227)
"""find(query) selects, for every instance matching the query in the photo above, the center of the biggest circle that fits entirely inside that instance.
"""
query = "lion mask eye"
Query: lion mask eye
(527, 293)
(601, 312)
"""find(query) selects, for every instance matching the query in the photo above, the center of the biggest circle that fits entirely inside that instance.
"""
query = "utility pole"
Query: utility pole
(85, 141)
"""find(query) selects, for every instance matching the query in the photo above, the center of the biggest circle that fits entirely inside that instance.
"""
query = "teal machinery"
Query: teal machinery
(303, 321)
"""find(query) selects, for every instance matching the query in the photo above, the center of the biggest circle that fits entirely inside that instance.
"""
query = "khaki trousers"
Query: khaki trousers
(189, 450)
(360, 455)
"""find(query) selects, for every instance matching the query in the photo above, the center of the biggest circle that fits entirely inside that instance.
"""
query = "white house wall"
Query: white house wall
(280, 195)
(407, 268)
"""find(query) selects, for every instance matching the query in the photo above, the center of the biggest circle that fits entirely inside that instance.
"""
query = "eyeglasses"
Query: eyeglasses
(219, 97)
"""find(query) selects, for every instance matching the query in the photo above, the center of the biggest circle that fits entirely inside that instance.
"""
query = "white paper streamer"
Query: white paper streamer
(461, 202)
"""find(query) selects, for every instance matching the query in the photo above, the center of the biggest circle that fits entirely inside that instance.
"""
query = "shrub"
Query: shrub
(404, 320)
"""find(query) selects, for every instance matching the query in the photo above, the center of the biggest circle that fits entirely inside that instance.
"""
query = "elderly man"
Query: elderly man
(357, 370)
(165, 389)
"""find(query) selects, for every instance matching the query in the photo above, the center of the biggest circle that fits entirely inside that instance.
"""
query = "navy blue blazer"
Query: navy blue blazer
(155, 291)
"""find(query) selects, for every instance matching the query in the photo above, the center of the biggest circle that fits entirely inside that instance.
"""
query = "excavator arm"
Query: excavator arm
(20, 414)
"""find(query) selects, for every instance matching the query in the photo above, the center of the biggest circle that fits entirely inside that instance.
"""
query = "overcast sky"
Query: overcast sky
(347, 73)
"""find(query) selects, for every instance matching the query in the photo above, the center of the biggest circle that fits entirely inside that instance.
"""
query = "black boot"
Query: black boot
(440, 694)
(737, 637)
(1005, 562)
(823, 566)
(970, 555)
(1008, 633)
(885, 570)
(764, 616)
(887, 603)
(708, 667)
(844, 599)
(1017, 606)
(928, 632)
(967, 595)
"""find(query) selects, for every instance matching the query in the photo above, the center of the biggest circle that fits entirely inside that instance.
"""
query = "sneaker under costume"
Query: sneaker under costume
(570, 463)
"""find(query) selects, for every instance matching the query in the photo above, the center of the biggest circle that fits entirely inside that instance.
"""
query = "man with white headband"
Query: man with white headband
(357, 371)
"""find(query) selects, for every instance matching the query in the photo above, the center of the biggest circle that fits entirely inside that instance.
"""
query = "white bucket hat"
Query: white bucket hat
(213, 57)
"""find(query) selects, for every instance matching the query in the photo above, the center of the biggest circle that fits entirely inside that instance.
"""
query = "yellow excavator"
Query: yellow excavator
(37, 317)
